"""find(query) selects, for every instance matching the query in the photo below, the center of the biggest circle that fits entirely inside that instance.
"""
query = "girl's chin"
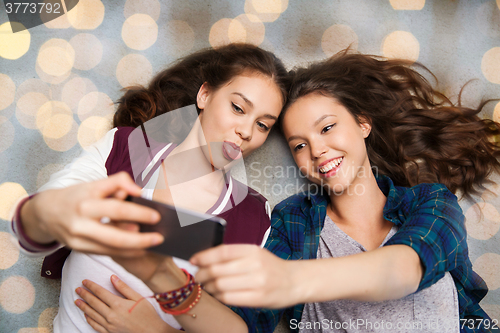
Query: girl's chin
(338, 189)
(219, 162)
(333, 186)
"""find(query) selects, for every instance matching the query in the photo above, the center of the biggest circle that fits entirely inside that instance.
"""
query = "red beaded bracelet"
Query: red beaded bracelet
(187, 308)
(174, 298)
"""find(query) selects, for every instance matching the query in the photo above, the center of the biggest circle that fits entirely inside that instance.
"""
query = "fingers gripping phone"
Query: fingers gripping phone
(182, 241)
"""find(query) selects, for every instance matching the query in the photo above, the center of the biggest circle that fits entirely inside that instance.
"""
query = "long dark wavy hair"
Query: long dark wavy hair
(178, 85)
(418, 135)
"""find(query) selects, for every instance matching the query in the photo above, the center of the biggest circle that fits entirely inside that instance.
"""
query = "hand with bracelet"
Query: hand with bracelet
(175, 291)
(109, 313)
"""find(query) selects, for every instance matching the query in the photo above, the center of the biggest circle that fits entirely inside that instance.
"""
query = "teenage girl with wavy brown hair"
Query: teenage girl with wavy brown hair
(388, 150)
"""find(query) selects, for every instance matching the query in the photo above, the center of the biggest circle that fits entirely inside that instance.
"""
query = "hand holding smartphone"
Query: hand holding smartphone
(201, 232)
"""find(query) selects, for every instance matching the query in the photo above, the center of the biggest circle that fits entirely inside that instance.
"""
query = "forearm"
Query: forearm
(212, 316)
(390, 272)
(87, 167)
(31, 225)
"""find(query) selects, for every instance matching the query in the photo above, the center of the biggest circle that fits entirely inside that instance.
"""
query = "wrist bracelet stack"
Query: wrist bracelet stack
(178, 301)
(181, 300)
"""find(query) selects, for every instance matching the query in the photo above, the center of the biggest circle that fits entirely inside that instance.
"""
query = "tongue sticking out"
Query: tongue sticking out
(231, 151)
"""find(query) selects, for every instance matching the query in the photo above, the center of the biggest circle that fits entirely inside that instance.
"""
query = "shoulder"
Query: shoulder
(429, 201)
(415, 195)
(254, 196)
(105, 144)
(252, 199)
(437, 194)
(124, 131)
(297, 204)
(117, 139)
(248, 219)
(119, 156)
(429, 189)
(297, 199)
(122, 134)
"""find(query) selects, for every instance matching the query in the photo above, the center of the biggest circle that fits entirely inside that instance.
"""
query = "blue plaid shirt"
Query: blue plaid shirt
(430, 221)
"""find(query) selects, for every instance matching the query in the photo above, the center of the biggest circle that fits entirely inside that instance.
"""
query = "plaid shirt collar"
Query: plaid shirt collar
(315, 205)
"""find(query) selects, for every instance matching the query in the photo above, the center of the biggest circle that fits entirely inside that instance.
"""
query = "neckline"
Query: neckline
(391, 233)
(151, 173)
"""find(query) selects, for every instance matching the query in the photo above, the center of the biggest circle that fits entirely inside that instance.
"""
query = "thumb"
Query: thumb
(124, 289)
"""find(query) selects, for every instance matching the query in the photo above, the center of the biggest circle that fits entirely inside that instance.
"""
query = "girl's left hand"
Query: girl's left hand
(108, 313)
(247, 275)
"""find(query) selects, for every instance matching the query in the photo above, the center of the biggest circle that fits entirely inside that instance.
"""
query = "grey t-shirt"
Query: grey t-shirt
(432, 310)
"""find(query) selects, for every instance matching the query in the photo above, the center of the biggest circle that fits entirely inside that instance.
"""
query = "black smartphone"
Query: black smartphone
(201, 232)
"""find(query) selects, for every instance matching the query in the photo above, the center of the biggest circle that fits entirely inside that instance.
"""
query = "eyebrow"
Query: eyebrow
(320, 119)
(267, 115)
(270, 116)
(244, 98)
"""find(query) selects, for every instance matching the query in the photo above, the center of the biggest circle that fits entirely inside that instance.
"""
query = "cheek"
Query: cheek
(258, 140)
(212, 125)
(302, 164)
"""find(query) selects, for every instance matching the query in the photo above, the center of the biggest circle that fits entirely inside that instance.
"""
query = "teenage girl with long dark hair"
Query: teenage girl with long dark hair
(236, 93)
(378, 138)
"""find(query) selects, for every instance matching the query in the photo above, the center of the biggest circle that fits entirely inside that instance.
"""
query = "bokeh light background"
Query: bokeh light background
(58, 82)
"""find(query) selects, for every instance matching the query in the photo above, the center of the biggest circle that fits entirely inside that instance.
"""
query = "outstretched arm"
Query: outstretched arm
(430, 241)
(68, 208)
(245, 275)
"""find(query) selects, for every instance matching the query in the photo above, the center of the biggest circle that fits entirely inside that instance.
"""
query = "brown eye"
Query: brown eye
(298, 147)
(327, 128)
(236, 108)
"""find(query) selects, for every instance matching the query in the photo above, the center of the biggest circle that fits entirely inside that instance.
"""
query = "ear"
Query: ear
(365, 126)
(202, 97)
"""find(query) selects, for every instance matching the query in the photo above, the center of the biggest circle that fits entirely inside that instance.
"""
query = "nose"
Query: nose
(244, 131)
(317, 149)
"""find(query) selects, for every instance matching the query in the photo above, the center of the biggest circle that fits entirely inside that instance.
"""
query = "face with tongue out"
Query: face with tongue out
(237, 117)
(327, 142)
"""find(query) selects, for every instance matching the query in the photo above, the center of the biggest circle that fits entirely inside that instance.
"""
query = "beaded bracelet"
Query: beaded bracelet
(172, 299)
(175, 302)
(188, 307)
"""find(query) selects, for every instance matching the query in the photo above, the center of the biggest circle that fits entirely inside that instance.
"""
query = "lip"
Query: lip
(333, 171)
(231, 150)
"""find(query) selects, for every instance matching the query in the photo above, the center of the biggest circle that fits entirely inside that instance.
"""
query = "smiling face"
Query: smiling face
(326, 141)
(237, 117)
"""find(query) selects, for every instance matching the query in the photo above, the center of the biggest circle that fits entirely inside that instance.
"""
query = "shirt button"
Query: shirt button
(48, 273)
